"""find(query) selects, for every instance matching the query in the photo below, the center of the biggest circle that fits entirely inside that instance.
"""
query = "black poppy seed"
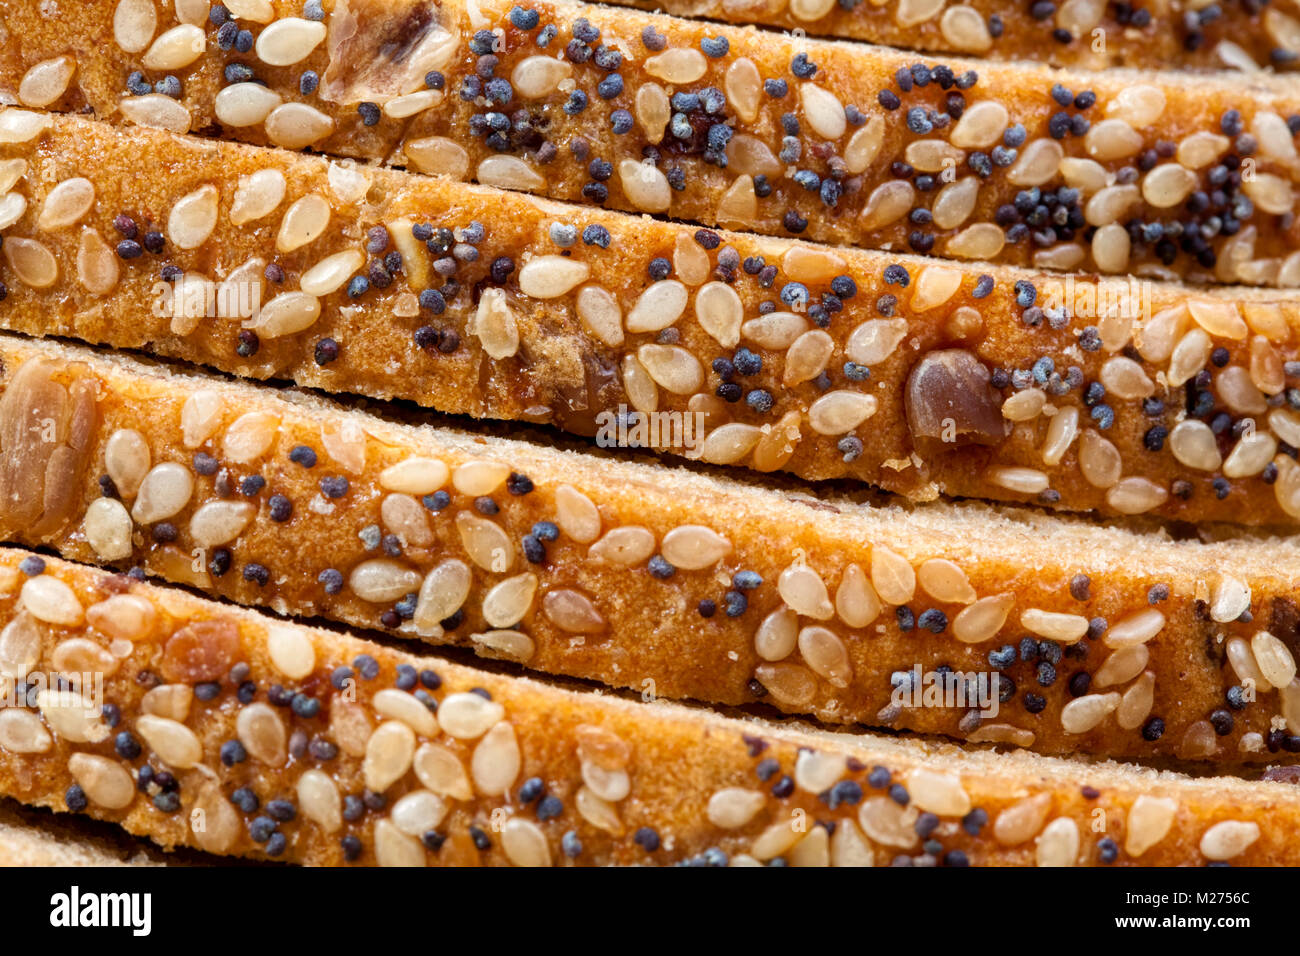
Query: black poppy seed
(660, 568)
(233, 752)
(251, 486)
(933, 620)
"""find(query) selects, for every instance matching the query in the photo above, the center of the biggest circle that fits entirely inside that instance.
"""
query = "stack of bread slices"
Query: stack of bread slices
(544, 433)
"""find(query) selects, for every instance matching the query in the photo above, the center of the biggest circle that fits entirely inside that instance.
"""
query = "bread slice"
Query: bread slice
(222, 729)
(1082, 33)
(673, 584)
(38, 838)
(915, 376)
(776, 134)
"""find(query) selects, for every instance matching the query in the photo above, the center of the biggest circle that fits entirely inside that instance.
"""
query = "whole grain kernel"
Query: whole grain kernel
(841, 411)
(506, 643)
(645, 186)
(1135, 705)
(777, 635)
(1058, 844)
(600, 813)
(250, 437)
(220, 522)
(245, 104)
(789, 684)
(1039, 162)
(406, 708)
(32, 262)
(395, 848)
(508, 601)
(803, 589)
(677, 66)
(983, 618)
(164, 493)
(261, 730)
(496, 325)
(1054, 625)
(496, 760)
(175, 49)
(629, 545)
(438, 156)
(66, 204)
(174, 743)
(719, 311)
(672, 367)
(892, 576)
(1122, 666)
(1099, 460)
(1228, 839)
(468, 716)
(733, 807)
(1025, 481)
(945, 581)
(600, 314)
(693, 547)
(659, 306)
(1112, 139)
(288, 40)
(509, 172)
(874, 340)
(864, 145)
(524, 843)
(297, 126)
(12, 208)
(824, 111)
(304, 222)
(107, 526)
(1136, 628)
(442, 772)
(1273, 659)
(169, 700)
(743, 86)
(825, 654)
(856, 601)
(105, 782)
(1022, 821)
(807, 357)
(964, 29)
(80, 655)
(1136, 495)
(479, 477)
(1025, 405)
(884, 821)
(888, 202)
(549, 277)
(641, 389)
(939, 793)
(389, 753)
(21, 732)
(381, 580)
(1194, 445)
(134, 24)
(319, 800)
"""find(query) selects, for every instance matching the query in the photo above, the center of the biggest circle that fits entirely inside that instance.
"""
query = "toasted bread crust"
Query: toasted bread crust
(666, 582)
(600, 128)
(537, 776)
(926, 378)
(1091, 35)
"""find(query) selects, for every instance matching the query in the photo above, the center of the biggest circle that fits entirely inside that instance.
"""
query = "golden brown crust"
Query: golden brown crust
(1081, 33)
(669, 583)
(308, 720)
(1092, 377)
(558, 119)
